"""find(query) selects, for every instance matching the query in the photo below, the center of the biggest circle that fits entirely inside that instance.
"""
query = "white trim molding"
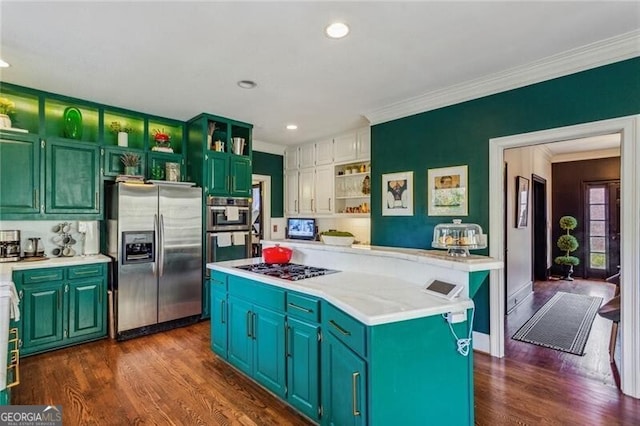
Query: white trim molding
(266, 203)
(586, 155)
(593, 55)
(481, 342)
(269, 148)
(629, 129)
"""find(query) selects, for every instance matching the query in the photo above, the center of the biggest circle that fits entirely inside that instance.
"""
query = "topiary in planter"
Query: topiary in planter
(567, 243)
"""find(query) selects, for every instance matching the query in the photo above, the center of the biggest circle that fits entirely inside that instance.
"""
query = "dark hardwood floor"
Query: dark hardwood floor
(173, 378)
(594, 363)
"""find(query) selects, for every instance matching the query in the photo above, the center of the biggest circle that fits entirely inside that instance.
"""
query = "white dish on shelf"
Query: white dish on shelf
(168, 182)
(336, 241)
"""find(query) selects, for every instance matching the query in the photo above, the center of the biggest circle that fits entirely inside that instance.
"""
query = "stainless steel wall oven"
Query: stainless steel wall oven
(228, 223)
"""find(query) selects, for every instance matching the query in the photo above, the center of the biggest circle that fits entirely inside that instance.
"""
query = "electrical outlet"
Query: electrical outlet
(275, 228)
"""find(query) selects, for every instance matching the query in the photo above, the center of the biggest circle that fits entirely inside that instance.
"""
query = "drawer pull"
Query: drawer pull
(300, 308)
(287, 351)
(85, 272)
(340, 329)
(354, 390)
(249, 324)
(44, 277)
(15, 366)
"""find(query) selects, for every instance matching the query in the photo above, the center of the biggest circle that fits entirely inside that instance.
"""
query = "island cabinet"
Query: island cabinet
(335, 369)
(303, 353)
(61, 306)
(256, 332)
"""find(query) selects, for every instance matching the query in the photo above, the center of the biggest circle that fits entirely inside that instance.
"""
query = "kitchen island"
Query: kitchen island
(365, 345)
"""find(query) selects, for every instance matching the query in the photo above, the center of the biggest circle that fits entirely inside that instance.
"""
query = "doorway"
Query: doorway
(539, 228)
(602, 230)
(628, 129)
(256, 219)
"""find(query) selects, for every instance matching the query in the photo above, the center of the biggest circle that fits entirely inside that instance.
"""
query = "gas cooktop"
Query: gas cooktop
(286, 271)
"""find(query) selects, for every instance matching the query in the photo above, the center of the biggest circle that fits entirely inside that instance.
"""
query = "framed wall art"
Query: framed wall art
(447, 191)
(522, 201)
(397, 194)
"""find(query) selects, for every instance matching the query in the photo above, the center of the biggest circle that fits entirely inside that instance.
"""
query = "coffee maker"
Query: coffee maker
(9, 246)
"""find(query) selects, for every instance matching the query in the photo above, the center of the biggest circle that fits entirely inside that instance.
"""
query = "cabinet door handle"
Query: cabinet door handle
(222, 303)
(253, 325)
(295, 209)
(340, 329)
(287, 344)
(59, 299)
(66, 288)
(329, 203)
(20, 294)
(354, 390)
(312, 204)
(35, 198)
(300, 308)
(87, 272)
(97, 200)
(249, 324)
(99, 297)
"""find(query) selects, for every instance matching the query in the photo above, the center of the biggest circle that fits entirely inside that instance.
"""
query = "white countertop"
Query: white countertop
(370, 298)
(7, 268)
(439, 258)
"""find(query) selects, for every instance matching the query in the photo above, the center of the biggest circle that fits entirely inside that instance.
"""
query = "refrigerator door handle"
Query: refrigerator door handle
(161, 260)
(154, 267)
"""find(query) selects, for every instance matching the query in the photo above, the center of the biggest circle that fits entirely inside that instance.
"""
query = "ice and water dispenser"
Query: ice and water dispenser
(138, 247)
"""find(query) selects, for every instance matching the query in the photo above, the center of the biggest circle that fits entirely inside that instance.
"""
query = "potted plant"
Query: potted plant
(162, 140)
(122, 131)
(7, 111)
(567, 243)
(131, 163)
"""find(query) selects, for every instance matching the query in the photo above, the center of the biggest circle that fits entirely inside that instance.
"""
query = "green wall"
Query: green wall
(271, 165)
(459, 134)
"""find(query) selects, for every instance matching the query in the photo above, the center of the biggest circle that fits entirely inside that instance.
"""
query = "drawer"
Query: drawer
(85, 271)
(218, 280)
(256, 293)
(34, 276)
(303, 307)
(347, 329)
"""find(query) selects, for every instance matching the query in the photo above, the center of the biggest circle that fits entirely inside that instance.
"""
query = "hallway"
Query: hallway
(595, 362)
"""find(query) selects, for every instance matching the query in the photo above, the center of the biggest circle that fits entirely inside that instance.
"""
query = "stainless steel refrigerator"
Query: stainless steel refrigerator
(155, 236)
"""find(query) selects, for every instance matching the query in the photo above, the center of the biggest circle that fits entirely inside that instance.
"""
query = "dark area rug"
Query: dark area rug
(563, 323)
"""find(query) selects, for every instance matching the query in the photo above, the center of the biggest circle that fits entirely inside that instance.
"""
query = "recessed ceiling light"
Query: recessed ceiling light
(292, 126)
(4, 64)
(247, 84)
(337, 30)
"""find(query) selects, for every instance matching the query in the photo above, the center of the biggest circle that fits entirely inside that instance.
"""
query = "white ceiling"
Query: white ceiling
(177, 59)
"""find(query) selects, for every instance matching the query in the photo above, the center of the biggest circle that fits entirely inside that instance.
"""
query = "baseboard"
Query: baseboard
(481, 342)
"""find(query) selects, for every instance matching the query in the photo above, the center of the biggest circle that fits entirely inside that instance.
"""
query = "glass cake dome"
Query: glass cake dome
(458, 238)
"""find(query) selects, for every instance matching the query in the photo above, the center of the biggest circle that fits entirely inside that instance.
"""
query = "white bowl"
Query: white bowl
(337, 241)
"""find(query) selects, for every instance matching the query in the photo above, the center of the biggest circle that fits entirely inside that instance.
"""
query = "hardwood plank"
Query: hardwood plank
(173, 378)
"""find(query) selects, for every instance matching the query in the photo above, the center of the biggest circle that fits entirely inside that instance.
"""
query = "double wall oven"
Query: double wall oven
(228, 229)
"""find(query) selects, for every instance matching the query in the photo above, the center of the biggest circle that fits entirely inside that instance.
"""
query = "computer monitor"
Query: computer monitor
(301, 229)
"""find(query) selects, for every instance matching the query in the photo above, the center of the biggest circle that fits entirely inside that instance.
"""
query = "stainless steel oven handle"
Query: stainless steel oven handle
(222, 208)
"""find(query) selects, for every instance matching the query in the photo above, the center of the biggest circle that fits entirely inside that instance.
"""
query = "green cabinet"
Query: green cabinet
(19, 174)
(303, 366)
(256, 332)
(224, 171)
(61, 306)
(72, 177)
(344, 386)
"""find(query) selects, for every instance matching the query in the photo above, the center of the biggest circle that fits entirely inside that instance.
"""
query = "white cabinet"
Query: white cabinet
(306, 156)
(306, 190)
(324, 201)
(353, 146)
(364, 143)
(291, 192)
(291, 158)
(324, 152)
(344, 147)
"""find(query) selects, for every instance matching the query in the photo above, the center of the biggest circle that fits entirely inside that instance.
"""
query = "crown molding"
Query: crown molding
(586, 155)
(603, 52)
(544, 151)
(269, 148)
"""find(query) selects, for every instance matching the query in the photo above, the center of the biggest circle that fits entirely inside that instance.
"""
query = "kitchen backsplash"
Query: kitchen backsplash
(42, 229)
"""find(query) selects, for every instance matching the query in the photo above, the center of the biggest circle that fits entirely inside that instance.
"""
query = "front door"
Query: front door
(602, 219)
